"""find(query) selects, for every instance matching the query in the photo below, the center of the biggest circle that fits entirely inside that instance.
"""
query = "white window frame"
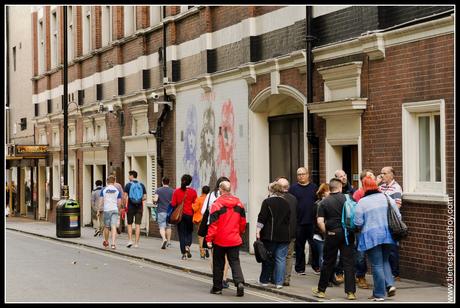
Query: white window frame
(54, 38)
(129, 20)
(413, 188)
(41, 46)
(86, 16)
(56, 178)
(70, 33)
(106, 25)
(156, 15)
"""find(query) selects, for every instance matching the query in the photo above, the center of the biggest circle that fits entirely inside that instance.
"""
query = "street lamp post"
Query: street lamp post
(67, 210)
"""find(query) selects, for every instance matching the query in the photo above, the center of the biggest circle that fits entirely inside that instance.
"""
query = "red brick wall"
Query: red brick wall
(188, 28)
(47, 17)
(225, 16)
(132, 49)
(142, 17)
(77, 24)
(96, 27)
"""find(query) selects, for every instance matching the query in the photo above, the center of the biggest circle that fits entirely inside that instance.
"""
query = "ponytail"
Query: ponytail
(185, 181)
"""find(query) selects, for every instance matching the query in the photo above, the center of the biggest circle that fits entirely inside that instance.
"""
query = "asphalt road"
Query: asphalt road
(43, 270)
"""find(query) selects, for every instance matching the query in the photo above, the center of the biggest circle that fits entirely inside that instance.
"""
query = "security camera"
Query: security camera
(153, 131)
(155, 96)
(110, 108)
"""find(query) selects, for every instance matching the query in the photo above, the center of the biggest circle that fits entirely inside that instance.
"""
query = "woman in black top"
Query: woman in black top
(273, 231)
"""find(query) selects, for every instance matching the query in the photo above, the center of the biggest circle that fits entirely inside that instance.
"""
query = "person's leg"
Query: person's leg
(114, 226)
(189, 234)
(386, 251)
(376, 258)
(268, 265)
(168, 233)
(226, 268)
(181, 227)
(218, 257)
(130, 219)
(163, 234)
(394, 260)
(348, 259)
(200, 242)
(300, 240)
(330, 256)
(138, 218)
(280, 263)
(289, 257)
(233, 255)
(312, 248)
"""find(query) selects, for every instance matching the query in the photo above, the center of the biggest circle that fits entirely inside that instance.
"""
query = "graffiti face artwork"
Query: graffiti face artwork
(190, 157)
(207, 163)
(227, 144)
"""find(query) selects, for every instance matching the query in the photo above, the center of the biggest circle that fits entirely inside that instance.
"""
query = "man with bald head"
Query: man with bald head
(292, 201)
(347, 188)
(227, 224)
(305, 193)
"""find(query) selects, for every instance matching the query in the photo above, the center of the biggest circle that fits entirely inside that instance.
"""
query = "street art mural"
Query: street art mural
(211, 136)
(226, 138)
(190, 147)
(207, 147)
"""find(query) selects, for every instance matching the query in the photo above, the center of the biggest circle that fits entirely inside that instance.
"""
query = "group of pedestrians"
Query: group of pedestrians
(289, 217)
(371, 232)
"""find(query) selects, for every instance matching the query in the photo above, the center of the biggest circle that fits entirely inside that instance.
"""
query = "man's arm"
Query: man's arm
(321, 224)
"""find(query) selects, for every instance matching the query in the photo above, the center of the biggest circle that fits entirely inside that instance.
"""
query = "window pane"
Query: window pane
(424, 149)
(437, 137)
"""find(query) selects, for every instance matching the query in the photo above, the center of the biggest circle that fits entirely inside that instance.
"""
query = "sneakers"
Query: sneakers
(163, 246)
(184, 257)
(376, 299)
(168, 245)
(97, 232)
(240, 289)
(339, 278)
(206, 252)
(301, 273)
(263, 284)
(187, 251)
(317, 271)
(118, 230)
(129, 244)
(279, 286)
(225, 284)
(318, 293)
(362, 283)
(391, 291)
(215, 291)
(351, 296)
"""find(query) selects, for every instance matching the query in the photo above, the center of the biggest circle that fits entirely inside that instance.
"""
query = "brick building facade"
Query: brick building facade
(236, 77)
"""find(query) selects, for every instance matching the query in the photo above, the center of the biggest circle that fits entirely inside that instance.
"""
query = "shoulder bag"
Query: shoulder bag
(176, 215)
(398, 228)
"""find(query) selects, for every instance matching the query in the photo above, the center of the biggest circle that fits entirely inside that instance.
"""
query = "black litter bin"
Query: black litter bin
(68, 218)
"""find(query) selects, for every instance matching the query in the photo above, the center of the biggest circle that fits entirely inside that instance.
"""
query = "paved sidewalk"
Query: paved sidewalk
(300, 288)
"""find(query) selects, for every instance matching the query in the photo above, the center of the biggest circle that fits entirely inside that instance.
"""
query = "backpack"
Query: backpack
(135, 193)
(348, 216)
(398, 229)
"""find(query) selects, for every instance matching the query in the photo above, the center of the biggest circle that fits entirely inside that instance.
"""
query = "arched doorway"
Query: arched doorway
(276, 131)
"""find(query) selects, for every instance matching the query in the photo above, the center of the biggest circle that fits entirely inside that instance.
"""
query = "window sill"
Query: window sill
(426, 198)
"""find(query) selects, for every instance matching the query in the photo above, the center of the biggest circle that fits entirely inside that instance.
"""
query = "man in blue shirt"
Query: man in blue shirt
(305, 193)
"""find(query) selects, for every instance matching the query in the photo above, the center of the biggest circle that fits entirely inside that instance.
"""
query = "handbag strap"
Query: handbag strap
(185, 196)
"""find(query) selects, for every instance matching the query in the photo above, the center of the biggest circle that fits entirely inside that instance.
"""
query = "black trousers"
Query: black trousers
(333, 242)
(304, 233)
(185, 228)
(218, 263)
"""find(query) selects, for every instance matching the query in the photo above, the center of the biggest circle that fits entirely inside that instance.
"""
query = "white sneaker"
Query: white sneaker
(129, 244)
(262, 284)
(278, 286)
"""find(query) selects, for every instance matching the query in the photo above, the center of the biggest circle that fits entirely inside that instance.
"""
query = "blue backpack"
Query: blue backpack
(135, 193)
(348, 216)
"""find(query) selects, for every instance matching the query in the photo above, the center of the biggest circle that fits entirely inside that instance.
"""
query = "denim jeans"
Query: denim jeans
(394, 259)
(381, 270)
(361, 266)
(277, 265)
(319, 246)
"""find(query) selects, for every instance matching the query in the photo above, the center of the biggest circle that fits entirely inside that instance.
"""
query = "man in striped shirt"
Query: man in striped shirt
(392, 189)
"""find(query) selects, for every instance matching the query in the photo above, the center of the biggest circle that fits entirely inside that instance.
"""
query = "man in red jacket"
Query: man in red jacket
(226, 225)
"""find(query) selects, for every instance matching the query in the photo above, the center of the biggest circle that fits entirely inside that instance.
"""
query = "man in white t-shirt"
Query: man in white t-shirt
(111, 200)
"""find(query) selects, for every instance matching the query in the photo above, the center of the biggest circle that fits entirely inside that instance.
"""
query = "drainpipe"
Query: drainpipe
(313, 140)
(166, 108)
(8, 133)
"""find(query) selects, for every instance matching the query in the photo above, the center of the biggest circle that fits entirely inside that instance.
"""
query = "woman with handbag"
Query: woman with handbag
(375, 237)
(182, 200)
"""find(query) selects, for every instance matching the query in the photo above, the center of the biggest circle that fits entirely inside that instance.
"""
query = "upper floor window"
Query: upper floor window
(106, 25)
(86, 29)
(70, 33)
(41, 46)
(156, 13)
(54, 39)
(130, 19)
